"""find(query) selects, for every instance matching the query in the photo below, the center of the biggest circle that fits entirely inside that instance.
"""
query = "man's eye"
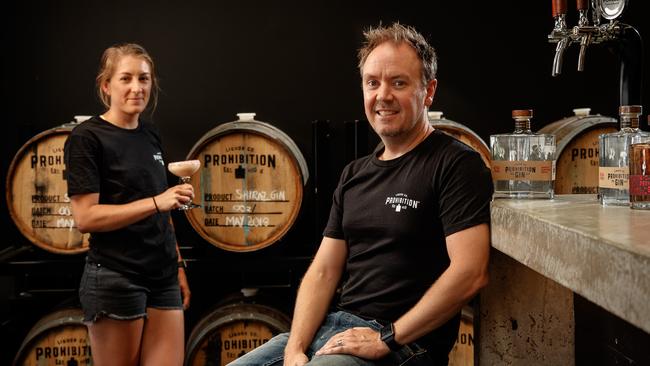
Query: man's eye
(372, 83)
(399, 83)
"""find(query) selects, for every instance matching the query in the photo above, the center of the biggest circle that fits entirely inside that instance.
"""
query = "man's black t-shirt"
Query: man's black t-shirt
(394, 216)
(123, 166)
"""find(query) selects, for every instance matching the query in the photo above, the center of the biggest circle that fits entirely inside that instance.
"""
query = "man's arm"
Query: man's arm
(469, 252)
(314, 296)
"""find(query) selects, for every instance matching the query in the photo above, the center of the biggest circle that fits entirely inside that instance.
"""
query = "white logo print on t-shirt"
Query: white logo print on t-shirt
(158, 157)
(401, 202)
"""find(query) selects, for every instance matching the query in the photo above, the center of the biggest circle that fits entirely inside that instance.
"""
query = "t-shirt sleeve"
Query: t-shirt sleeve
(465, 193)
(82, 156)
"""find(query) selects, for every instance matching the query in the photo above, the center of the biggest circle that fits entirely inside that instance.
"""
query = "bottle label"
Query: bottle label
(533, 170)
(640, 185)
(613, 177)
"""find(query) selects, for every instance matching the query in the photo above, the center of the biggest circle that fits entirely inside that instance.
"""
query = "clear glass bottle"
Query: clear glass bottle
(523, 164)
(640, 172)
(614, 148)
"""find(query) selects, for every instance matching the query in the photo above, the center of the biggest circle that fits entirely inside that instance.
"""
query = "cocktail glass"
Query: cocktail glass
(184, 170)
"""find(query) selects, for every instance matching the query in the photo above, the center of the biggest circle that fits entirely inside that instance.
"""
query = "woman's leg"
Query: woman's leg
(163, 338)
(115, 342)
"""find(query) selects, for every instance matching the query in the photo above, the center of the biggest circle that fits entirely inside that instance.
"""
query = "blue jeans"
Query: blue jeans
(272, 352)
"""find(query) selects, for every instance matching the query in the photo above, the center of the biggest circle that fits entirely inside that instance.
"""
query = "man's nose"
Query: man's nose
(384, 93)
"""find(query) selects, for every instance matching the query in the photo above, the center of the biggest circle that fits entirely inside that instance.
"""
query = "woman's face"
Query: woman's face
(129, 87)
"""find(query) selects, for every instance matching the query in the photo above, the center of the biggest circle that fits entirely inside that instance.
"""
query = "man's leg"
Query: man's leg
(270, 353)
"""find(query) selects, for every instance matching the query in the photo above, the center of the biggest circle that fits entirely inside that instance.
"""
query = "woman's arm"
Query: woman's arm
(91, 216)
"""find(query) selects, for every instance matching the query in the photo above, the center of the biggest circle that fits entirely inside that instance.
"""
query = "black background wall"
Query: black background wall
(292, 63)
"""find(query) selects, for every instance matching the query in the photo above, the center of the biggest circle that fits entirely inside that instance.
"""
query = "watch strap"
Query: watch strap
(387, 335)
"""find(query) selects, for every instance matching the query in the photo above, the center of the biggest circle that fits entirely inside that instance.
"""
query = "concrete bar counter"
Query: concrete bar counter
(544, 251)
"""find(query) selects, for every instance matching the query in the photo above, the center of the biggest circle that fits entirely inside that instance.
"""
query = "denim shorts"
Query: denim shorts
(106, 293)
(272, 352)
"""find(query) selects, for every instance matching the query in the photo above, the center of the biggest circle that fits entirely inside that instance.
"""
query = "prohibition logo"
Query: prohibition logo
(401, 202)
(158, 157)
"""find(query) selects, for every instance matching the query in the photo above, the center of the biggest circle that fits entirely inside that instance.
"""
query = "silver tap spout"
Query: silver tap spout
(559, 53)
(584, 42)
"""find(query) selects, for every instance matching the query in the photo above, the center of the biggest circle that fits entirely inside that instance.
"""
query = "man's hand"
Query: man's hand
(360, 342)
(295, 359)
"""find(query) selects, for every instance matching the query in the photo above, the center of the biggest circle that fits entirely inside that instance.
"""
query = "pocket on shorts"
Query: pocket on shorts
(89, 274)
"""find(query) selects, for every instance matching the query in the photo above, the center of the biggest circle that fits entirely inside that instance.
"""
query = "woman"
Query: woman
(133, 289)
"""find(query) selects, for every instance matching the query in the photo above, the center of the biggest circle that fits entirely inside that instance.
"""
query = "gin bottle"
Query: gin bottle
(613, 167)
(640, 172)
(523, 164)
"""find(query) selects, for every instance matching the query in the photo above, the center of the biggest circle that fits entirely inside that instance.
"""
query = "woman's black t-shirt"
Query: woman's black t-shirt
(123, 166)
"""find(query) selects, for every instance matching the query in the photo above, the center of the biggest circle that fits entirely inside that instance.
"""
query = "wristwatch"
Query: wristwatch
(387, 335)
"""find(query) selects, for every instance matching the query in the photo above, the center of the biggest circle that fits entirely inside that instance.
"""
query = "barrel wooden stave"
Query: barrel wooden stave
(576, 167)
(36, 193)
(59, 338)
(465, 135)
(231, 330)
(462, 354)
(250, 185)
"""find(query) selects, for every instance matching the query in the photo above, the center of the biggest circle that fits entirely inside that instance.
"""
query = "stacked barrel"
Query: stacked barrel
(36, 193)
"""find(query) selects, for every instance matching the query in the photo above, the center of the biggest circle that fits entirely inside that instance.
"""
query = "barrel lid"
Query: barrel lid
(249, 205)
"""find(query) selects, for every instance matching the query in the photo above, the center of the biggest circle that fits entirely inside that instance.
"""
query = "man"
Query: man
(408, 232)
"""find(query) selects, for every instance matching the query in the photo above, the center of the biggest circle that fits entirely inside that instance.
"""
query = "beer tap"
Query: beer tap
(623, 38)
(585, 39)
(559, 34)
(583, 31)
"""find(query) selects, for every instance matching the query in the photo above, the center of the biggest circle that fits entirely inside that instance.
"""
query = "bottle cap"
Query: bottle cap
(582, 112)
(434, 114)
(522, 113)
(80, 119)
(249, 292)
(246, 117)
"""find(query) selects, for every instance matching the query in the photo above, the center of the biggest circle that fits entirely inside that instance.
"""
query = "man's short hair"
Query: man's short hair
(399, 33)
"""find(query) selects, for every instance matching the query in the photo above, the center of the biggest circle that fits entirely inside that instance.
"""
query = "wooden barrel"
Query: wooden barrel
(59, 338)
(37, 194)
(576, 138)
(462, 354)
(232, 330)
(250, 184)
(461, 133)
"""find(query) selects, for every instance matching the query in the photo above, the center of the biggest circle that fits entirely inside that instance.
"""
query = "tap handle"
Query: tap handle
(582, 4)
(558, 7)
